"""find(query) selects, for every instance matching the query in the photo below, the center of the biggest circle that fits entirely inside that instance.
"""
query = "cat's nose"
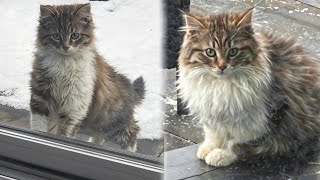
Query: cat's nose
(223, 67)
(65, 48)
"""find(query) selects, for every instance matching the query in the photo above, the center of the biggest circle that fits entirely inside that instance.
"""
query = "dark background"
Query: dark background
(173, 38)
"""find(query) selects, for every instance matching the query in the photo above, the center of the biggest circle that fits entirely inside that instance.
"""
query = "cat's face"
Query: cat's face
(65, 29)
(220, 44)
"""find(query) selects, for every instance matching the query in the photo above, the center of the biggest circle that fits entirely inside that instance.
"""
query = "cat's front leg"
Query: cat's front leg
(39, 114)
(68, 126)
(212, 141)
(222, 157)
(97, 137)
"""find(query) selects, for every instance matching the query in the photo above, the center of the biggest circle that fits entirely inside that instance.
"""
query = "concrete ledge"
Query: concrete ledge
(183, 164)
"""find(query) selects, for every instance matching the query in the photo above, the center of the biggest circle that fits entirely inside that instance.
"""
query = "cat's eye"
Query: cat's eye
(210, 52)
(75, 36)
(56, 36)
(232, 52)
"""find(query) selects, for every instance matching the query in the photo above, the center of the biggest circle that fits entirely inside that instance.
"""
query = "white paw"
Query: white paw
(203, 151)
(220, 158)
(133, 148)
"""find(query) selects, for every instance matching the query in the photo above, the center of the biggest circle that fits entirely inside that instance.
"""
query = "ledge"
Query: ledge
(183, 164)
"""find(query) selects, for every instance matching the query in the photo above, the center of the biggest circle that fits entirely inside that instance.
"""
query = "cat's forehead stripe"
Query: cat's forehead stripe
(218, 28)
(63, 18)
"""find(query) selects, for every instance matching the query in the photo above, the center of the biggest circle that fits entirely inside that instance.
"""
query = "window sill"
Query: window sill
(76, 158)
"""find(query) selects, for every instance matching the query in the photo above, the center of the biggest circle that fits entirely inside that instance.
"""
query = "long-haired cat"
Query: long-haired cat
(74, 87)
(255, 93)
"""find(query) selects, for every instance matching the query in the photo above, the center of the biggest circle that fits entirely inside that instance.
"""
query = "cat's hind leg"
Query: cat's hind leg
(212, 141)
(125, 134)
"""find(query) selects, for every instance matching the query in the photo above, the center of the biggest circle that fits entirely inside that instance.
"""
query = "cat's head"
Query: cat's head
(221, 44)
(65, 29)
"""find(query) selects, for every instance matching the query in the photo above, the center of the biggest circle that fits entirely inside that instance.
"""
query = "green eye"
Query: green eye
(232, 52)
(56, 36)
(75, 36)
(210, 52)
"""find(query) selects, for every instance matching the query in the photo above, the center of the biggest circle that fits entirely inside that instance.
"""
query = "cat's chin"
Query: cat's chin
(66, 53)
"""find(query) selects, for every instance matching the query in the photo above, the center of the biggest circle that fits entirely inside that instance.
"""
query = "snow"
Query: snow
(128, 35)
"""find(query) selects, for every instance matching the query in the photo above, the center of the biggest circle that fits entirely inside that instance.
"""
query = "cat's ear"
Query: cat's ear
(46, 10)
(83, 10)
(245, 17)
(193, 23)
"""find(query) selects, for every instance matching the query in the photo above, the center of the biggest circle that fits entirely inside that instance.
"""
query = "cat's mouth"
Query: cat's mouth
(66, 53)
(219, 73)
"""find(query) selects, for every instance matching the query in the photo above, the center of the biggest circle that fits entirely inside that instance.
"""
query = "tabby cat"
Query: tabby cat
(254, 92)
(72, 85)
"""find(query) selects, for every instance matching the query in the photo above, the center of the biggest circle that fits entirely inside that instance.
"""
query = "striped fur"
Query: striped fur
(73, 87)
(264, 100)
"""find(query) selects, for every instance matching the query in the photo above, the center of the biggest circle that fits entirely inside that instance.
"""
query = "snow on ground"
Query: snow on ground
(128, 35)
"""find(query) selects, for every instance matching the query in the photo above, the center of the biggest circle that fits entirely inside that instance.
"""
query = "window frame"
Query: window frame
(74, 157)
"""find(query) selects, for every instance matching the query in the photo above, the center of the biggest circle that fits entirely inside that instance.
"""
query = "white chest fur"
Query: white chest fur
(72, 86)
(233, 106)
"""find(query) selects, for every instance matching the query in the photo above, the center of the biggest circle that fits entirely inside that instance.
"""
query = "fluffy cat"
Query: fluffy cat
(254, 92)
(72, 85)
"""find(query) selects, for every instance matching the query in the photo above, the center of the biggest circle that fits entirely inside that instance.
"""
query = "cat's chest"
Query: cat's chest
(72, 79)
(233, 107)
(224, 100)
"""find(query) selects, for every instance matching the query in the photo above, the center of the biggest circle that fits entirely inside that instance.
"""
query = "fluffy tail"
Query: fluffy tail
(139, 89)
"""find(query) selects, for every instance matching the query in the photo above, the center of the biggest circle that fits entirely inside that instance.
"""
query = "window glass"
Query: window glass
(66, 49)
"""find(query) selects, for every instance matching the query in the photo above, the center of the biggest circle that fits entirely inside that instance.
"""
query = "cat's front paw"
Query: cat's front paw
(133, 148)
(220, 158)
(203, 151)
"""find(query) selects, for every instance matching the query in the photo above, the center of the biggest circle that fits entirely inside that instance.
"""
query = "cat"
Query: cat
(73, 86)
(255, 93)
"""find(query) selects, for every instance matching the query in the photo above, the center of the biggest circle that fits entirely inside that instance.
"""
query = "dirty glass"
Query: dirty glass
(127, 35)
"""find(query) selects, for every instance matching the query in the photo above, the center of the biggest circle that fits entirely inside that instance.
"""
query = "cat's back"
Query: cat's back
(285, 50)
(295, 73)
(111, 86)
(290, 60)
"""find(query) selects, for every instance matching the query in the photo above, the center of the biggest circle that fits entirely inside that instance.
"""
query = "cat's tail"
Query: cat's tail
(139, 89)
